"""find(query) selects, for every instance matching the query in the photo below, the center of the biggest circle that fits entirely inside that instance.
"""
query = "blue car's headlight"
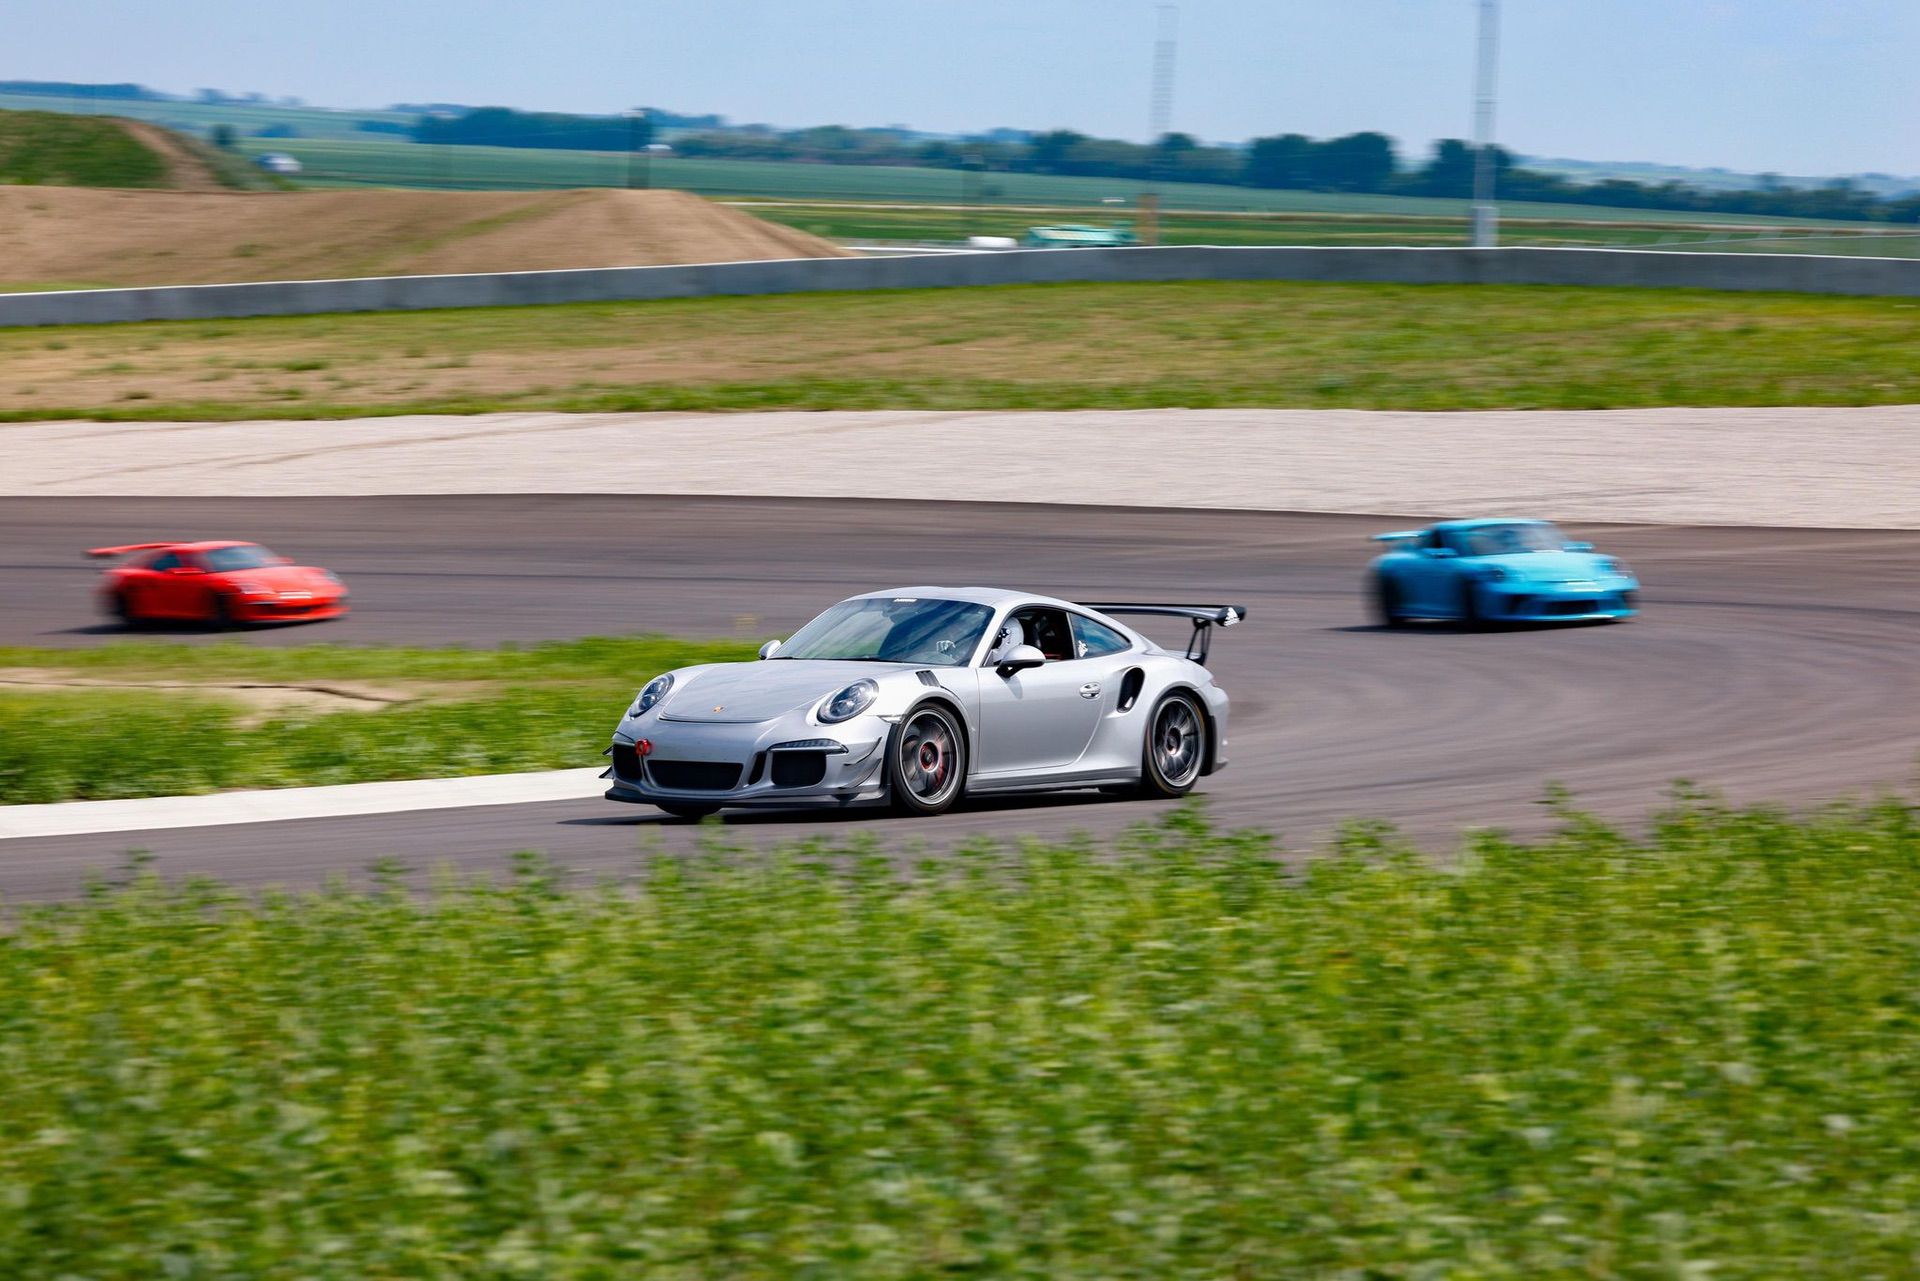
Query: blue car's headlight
(655, 690)
(1492, 574)
(849, 702)
(1617, 567)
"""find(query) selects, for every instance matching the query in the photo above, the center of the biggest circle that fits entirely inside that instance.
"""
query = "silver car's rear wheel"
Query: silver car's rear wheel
(1175, 747)
(927, 761)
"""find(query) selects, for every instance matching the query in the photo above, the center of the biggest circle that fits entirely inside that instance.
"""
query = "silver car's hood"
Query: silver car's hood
(760, 691)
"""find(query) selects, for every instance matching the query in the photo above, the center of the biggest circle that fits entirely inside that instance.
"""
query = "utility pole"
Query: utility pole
(639, 171)
(1486, 216)
(1166, 50)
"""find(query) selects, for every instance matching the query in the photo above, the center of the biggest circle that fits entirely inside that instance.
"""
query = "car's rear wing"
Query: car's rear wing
(1399, 536)
(130, 547)
(1204, 617)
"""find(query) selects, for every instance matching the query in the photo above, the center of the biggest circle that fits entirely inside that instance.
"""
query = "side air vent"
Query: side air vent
(927, 678)
(1130, 686)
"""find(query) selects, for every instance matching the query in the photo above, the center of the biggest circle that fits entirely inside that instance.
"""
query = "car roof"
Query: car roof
(1481, 522)
(997, 597)
(210, 545)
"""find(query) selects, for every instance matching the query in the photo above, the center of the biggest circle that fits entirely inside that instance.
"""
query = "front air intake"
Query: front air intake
(694, 776)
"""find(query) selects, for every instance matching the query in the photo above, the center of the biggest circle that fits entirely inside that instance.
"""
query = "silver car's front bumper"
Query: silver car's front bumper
(778, 762)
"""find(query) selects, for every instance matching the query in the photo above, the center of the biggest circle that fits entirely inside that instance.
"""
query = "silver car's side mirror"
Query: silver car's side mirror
(769, 649)
(1019, 659)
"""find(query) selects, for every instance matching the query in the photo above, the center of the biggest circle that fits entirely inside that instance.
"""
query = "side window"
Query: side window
(1095, 640)
(1455, 539)
(161, 564)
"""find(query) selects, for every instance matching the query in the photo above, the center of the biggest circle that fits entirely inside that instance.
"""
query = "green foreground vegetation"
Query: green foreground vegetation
(465, 711)
(1689, 1056)
(1197, 344)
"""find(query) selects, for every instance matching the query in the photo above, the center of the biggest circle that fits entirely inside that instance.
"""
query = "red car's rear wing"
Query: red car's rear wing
(1204, 617)
(130, 547)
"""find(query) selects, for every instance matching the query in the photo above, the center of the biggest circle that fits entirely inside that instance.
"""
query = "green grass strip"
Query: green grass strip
(544, 706)
(1172, 1057)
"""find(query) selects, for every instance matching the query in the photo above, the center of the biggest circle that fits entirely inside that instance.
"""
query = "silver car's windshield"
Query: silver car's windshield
(1504, 540)
(899, 629)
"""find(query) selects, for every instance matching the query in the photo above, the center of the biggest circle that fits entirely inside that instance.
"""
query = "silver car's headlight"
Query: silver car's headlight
(655, 690)
(849, 702)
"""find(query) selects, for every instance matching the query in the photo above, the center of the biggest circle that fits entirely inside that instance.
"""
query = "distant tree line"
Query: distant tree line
(69, 89)
(504, 127)
(1357, 162)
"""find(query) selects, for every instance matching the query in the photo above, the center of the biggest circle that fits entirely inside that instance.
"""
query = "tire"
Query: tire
(121, 608)
(927, 760)
(1470, 619)
(1175, 746)
(691, 812)
(220, 614)
(1386, 602)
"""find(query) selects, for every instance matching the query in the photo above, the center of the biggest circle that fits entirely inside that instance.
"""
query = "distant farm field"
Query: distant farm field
(383, 162)
(1051, 346)
(880, 224)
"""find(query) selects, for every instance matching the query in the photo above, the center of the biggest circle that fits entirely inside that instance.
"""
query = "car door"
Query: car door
(1434, 582)
(1042, 718)
(155, 587)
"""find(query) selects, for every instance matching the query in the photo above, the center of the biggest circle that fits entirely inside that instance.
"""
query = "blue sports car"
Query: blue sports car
(1507, 571)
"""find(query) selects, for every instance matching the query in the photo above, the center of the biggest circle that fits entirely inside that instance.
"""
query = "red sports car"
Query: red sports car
(224, 584)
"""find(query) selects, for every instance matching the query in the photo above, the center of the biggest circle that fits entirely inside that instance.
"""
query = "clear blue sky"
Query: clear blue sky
(1798, 86)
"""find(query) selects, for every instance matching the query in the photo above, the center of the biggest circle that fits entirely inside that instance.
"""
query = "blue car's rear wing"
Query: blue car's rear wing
(1399, 536)
(1204, 617)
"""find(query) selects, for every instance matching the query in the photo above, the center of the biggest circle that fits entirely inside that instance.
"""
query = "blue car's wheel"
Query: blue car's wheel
(1386, 602)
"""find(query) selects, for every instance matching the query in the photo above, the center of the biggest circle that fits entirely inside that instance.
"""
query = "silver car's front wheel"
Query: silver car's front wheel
(1175, 747)
(927, 761)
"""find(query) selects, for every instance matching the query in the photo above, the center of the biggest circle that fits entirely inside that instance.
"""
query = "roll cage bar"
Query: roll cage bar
(1204, 618)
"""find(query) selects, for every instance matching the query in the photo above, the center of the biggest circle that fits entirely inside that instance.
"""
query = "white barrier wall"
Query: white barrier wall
(1800, 273)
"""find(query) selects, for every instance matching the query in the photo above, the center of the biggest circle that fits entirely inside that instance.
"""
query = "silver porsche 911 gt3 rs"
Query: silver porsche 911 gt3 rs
(920, 695)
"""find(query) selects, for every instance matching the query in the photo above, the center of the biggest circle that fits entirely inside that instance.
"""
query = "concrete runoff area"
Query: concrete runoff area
(287, 804)
(1801, 273)
(1819, 467)
(1771, 664)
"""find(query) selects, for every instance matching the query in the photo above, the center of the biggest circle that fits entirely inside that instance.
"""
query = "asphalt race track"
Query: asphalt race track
(1771, 664)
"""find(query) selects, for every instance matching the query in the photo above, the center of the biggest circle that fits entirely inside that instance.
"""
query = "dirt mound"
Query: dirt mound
(185, 170)
(81, 237)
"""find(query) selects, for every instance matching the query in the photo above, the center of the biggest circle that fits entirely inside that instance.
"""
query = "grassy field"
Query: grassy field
(45, 147)
(1688, 1056)
(1053, 346)
(950, 224)
(436, 713)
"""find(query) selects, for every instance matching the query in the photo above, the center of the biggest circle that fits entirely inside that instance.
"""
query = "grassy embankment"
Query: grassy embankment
(1689, 1056)
(51, 148)
(452, 712)
(1017, 347)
